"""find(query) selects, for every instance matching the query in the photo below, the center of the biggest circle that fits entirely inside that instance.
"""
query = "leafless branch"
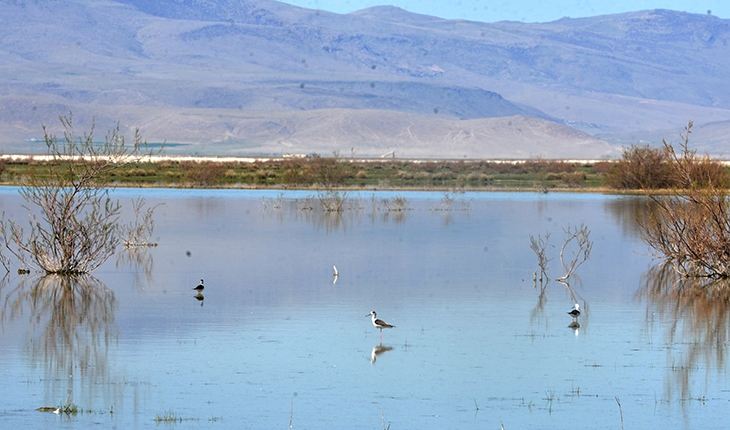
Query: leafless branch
(576, 238)
(139, 232)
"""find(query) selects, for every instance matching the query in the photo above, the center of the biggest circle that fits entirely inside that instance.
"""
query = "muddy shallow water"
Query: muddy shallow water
(275, 340)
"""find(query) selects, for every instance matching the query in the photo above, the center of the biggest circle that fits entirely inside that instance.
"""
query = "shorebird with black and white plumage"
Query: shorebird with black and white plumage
(200, 287)
(379, 324)
(575, 312)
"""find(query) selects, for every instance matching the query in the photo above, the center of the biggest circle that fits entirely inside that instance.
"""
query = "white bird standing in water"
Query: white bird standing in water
(200, 287)
(379, 324)
(575, 312)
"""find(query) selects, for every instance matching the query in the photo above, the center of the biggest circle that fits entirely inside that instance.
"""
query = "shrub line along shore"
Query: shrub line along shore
(317, 173)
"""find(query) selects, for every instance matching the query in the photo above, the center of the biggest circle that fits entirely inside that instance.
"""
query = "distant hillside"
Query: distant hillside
(373, 133)
(233, 76)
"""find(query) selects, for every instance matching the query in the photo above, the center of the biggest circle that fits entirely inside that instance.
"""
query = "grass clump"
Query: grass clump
(170, 417)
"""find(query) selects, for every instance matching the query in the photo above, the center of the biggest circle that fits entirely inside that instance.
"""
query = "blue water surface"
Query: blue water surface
(278, 340)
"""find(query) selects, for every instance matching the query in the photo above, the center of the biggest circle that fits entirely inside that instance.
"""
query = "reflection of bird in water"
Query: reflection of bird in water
(575, 312)
(379, 324)
(200, 298)
(377, 350)
(575, 325)
(336, 274)
(200, 287)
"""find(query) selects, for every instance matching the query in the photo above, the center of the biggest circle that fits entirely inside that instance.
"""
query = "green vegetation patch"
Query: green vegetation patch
(329, 172)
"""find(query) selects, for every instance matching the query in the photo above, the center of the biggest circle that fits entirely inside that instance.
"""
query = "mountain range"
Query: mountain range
(260, 77)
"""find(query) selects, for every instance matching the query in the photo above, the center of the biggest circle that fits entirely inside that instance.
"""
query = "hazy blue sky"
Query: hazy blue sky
(521, 10)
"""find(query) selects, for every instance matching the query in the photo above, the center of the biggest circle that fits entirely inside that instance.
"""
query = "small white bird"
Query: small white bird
(379, 324)
(575, 312)
(336, 273)
(200, 287)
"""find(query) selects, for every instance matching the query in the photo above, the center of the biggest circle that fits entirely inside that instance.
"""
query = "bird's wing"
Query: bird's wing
(382, 323)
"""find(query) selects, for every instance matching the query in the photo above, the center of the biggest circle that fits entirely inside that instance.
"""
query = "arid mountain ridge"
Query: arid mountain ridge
(233, 77)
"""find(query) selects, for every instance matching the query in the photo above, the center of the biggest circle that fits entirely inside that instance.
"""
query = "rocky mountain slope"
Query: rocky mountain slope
(263, 77)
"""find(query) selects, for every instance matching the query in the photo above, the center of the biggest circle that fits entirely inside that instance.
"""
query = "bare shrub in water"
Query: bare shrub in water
(332, 200)
(690, 228)
(539, 246)
(139, 232)
(73, 219)
(578, 241)
(329, 173)
(448, 201)
(573, 253)
(396, 204)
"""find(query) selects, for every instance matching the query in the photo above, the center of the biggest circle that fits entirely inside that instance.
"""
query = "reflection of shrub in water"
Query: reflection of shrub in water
(138, 259)
(306, 204)
(698, 317)
(75, 318)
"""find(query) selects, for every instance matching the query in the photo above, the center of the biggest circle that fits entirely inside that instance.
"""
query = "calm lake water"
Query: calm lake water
(275, 342)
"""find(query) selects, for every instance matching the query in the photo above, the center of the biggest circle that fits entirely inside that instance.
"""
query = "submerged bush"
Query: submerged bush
(73, 219)
(690, 228)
